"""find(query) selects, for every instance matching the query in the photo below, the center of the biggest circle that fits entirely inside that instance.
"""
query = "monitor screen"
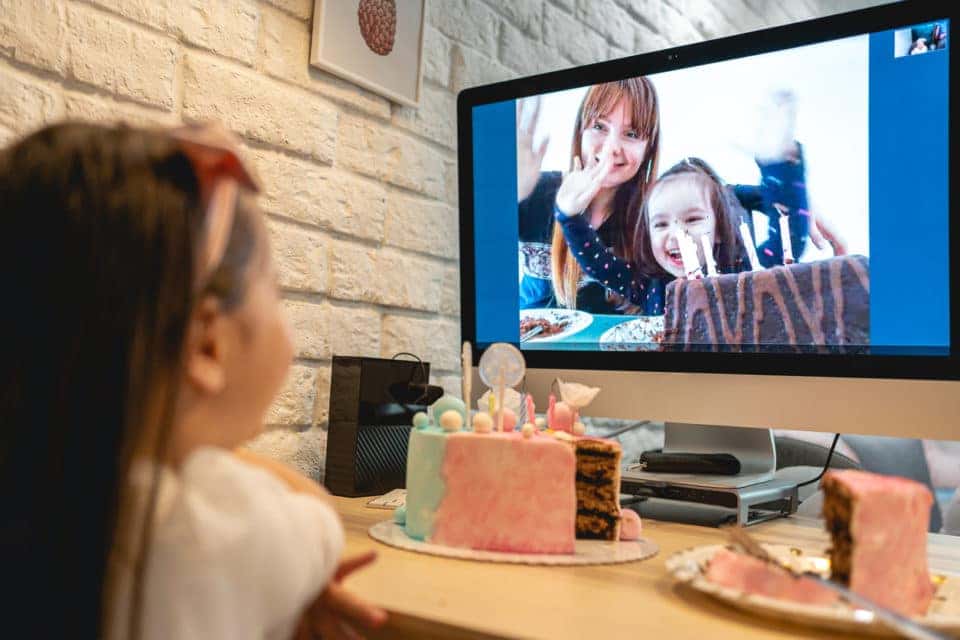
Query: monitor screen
(794, 200)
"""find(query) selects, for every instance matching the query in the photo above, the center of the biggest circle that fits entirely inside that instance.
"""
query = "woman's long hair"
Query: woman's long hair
(101, 226)
(645, 116)
(728, 249)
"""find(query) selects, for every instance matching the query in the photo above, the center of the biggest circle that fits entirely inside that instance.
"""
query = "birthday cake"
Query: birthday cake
(817, 303)
(533, 490)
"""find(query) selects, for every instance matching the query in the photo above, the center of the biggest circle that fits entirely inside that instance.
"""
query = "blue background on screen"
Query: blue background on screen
(908, 191)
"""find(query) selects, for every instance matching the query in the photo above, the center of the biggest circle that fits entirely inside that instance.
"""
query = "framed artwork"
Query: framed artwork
(376, 44)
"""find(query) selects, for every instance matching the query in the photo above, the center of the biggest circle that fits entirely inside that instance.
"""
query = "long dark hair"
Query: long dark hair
(728, 249)
(101, 226)
(645, 114)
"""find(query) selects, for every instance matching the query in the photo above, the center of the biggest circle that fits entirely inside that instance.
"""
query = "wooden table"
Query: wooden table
(436, 597)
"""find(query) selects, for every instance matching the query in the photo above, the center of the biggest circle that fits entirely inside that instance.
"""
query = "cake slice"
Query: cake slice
(878, 527)
(753, 576)
(598, 488)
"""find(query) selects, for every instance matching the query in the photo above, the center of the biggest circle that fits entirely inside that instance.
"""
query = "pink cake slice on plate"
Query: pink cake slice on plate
(756, 577)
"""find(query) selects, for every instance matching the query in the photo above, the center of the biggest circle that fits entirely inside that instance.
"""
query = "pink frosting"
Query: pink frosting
(630, 525)
(753, 576)
(889, 531)
(507, 493)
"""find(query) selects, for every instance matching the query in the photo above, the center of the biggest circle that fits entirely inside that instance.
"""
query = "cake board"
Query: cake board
(587, 552)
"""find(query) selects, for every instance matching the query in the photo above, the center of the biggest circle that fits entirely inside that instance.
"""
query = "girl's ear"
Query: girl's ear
(206, 349)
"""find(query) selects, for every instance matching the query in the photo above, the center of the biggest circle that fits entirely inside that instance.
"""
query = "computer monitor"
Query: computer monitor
(653, 173)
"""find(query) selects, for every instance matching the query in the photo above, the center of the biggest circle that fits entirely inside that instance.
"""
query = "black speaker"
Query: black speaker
(372, 403)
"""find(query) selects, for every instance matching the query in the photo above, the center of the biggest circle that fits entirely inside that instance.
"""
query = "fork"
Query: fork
(533, 332)
(903, 625)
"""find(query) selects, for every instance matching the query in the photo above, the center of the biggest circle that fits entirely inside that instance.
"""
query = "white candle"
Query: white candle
(751, 248)
(708, 255)
(688, 253)
(785, 240)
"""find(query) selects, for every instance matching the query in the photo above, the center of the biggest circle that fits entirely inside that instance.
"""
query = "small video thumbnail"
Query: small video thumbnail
(921, 38)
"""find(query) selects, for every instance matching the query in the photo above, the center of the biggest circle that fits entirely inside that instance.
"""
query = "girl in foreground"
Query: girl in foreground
(147, 345)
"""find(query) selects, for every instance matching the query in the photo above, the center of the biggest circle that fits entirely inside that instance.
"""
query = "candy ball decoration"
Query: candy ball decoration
(578, 428)
(451, 420)
(448, 403)
(562, 418)
(482, 423)
(509, 419)
(528, 430)
(540, 423)
(400, 514)
(630, 525)
(420, 420)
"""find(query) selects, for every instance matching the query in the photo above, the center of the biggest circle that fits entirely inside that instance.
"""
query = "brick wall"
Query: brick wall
(361, 193)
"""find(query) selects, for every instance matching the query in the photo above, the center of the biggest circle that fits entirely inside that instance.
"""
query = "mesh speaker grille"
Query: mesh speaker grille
(381, 457)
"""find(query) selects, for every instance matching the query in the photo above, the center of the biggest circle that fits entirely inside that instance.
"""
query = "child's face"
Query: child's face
(675, 205)
(614, 133)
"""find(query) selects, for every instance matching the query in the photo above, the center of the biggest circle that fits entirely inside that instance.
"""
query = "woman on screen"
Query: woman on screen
(619, 120)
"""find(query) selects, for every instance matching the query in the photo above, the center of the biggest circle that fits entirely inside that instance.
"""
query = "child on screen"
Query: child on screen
(146, 345)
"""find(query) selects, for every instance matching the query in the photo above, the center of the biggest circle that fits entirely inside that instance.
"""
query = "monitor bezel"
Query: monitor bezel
(874, 19)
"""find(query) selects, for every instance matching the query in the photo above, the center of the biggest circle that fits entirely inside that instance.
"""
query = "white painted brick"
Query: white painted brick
(466, 21)
(609, 19)
(435, 340)
(677, 28)
(571, 38)
(303, 9)
(435, 118)
(471, 69)
(351, 205)
(321, 405)
(227, 27)
(285, 54)
(773, 14)
(518, 51)
(706, 18)
(450, 383)
(34, 32)
(300, 256)
(406, 280)
(308, 323)
(615, 52)
(27, 103)
(97, 108)
(646, 12)
(295, 401)
(524, 14)
(269, 112)
(421, 225)
(450, 296)
(375, 150)
(436, 56)
(566, 5)
(108, 53)
(647, 41)
(352, 330)
(743, 17)
(158, 14)
(452, 187)
(303, 450)
(353, 274)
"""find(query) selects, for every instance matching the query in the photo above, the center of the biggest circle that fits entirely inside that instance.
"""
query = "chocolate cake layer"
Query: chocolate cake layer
(598, 489)
(799, 305)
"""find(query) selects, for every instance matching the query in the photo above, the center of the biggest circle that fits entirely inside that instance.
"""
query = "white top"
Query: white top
(235, 553)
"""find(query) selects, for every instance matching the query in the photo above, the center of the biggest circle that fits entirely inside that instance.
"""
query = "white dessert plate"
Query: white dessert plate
(690, 565)
(575, 321)
(640, 334)
(585, 551)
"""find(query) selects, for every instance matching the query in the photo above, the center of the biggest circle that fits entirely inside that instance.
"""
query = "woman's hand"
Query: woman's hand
(529, 157)
(822, 233)
(338, 613)
(581, 185)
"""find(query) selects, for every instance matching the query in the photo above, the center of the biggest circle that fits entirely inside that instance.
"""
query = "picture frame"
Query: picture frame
(375, 44)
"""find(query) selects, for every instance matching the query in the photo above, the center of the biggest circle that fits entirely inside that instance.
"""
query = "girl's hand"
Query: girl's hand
(822, 233)
(338, 613)
(581, 185)
(529, 157)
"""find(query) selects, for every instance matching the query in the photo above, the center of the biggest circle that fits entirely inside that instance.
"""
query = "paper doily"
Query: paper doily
(586, 552)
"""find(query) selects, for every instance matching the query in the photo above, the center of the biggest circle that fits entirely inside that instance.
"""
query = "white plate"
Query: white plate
(585, 551)
(576, 321)
(640, 334)
(690, 565)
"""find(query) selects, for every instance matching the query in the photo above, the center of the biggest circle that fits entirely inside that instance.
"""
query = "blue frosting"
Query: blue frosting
(425, 485)
(446, 403)
(400, 515)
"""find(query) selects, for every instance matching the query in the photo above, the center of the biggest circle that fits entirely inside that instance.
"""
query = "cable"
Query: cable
(826, 465)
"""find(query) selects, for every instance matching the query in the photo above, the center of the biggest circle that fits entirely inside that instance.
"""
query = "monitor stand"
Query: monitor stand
(754, 495)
